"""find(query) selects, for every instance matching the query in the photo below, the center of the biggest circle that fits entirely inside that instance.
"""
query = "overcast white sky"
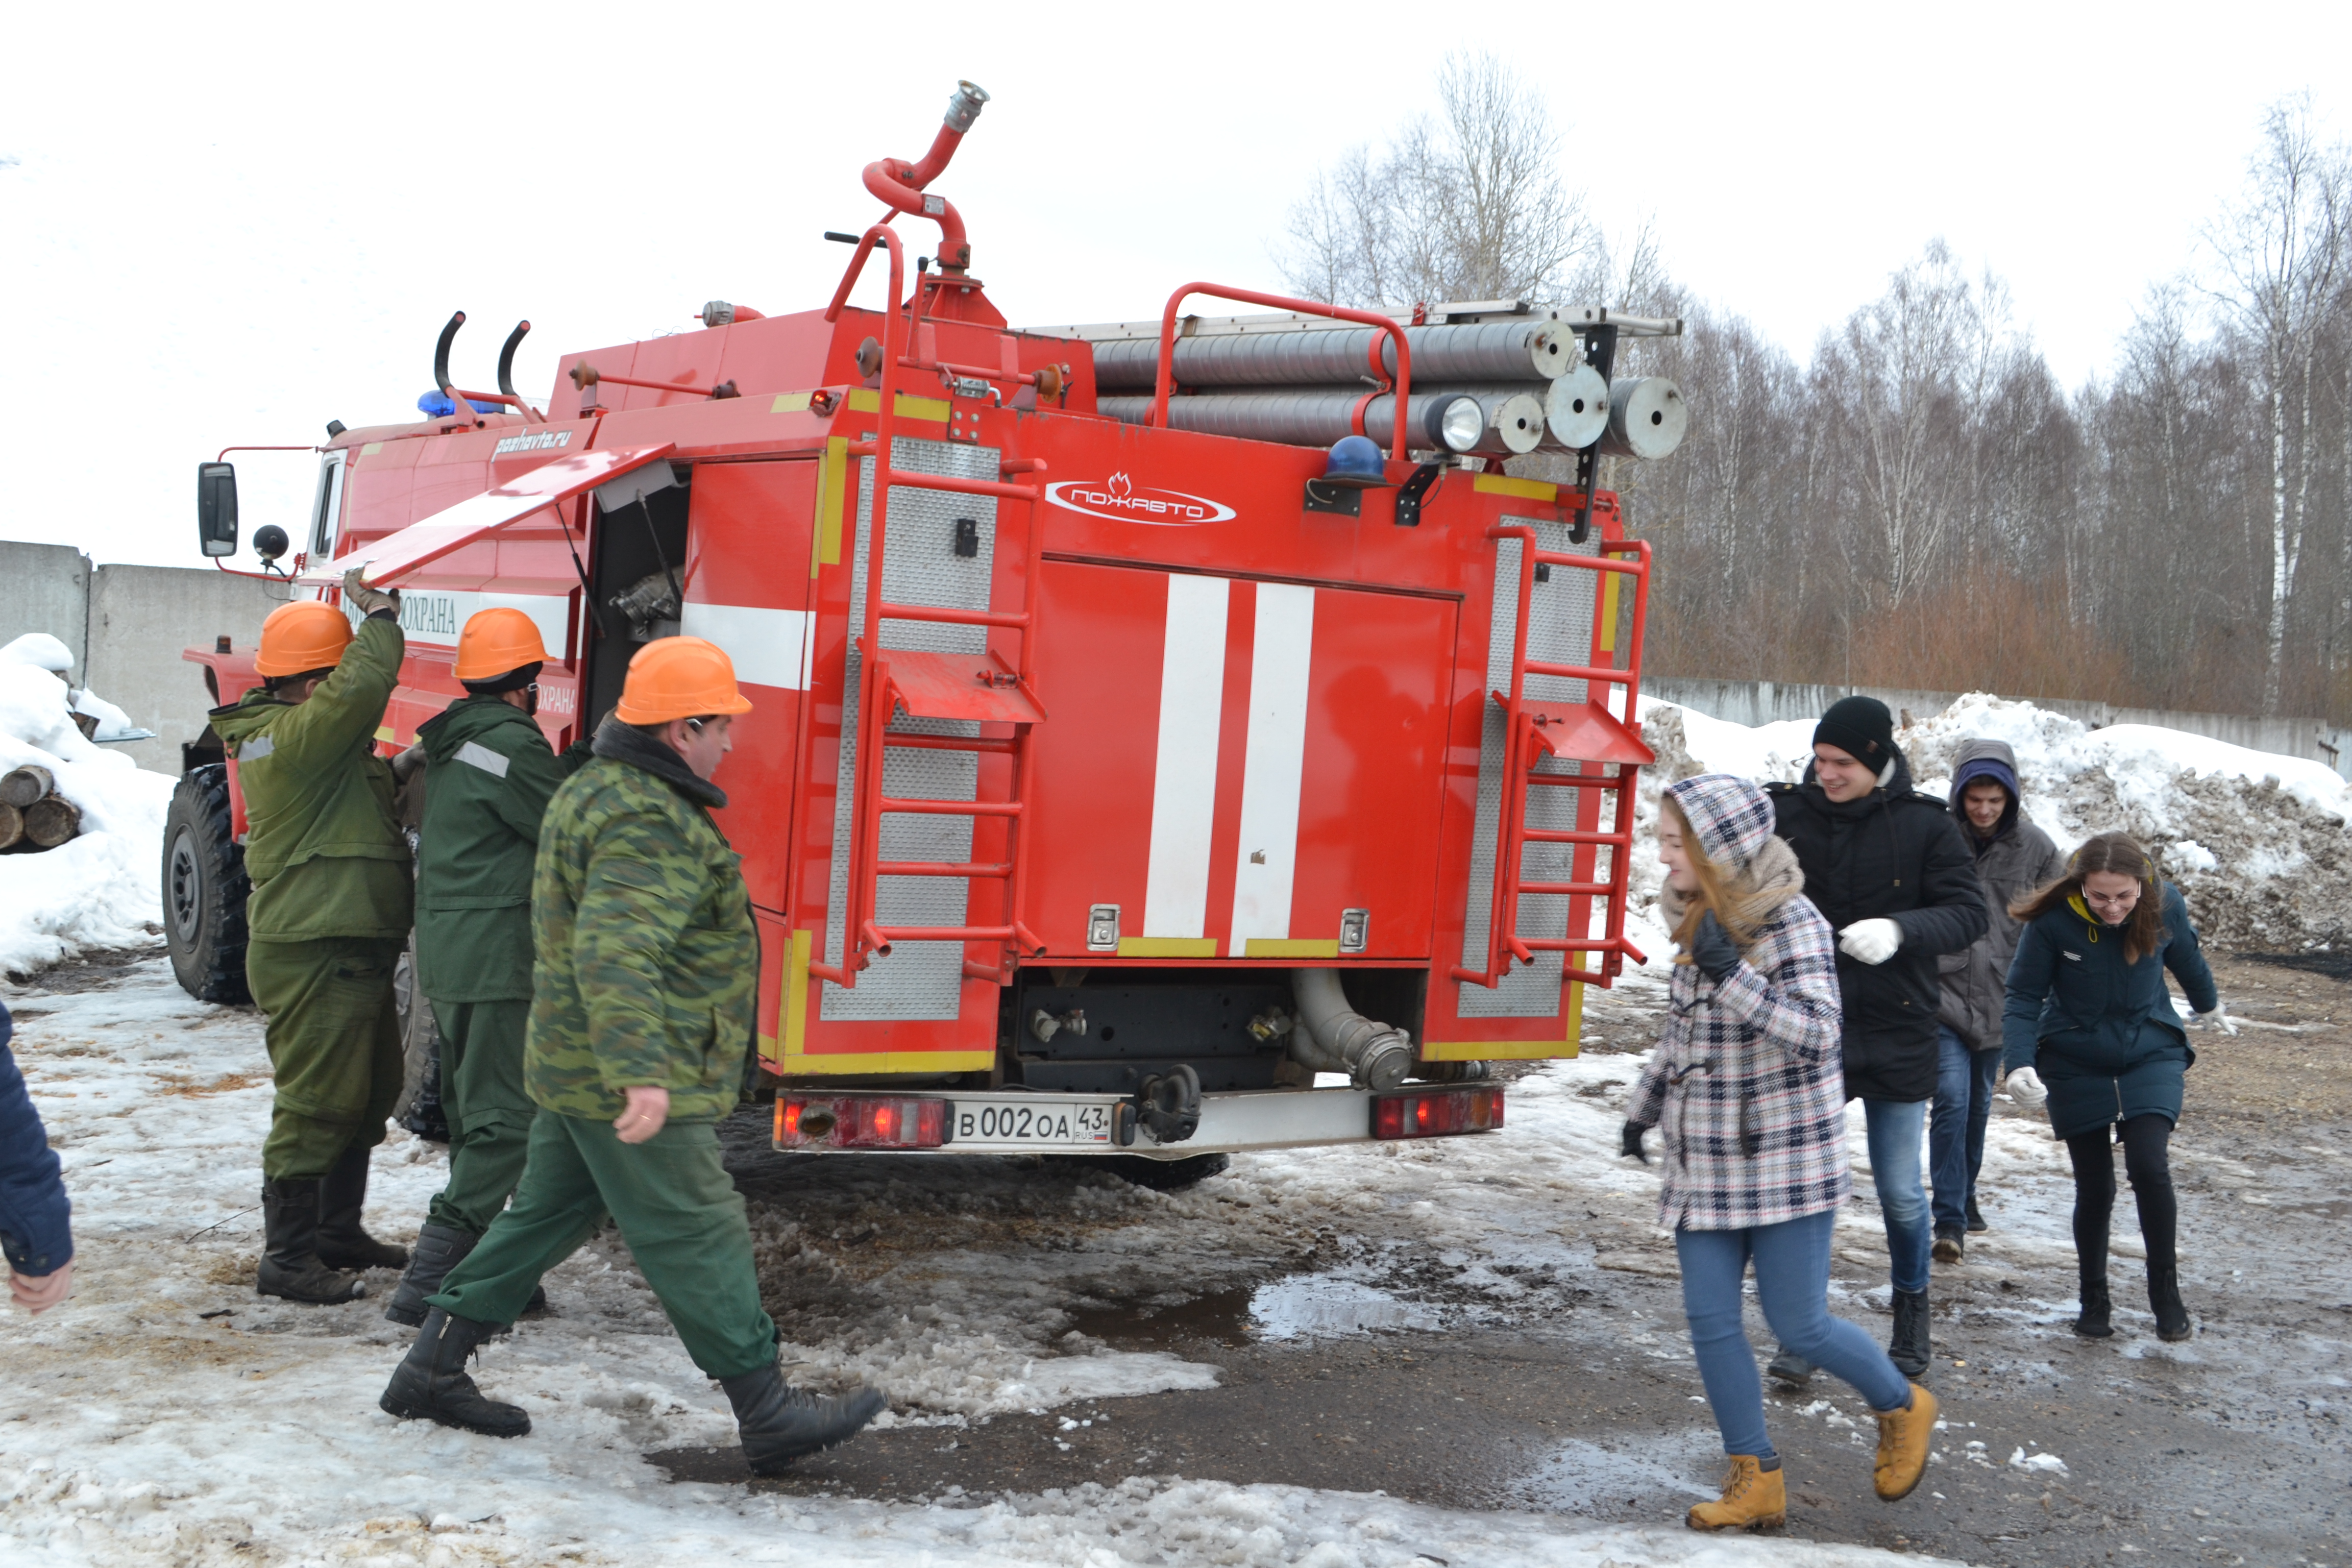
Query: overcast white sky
(229, 224)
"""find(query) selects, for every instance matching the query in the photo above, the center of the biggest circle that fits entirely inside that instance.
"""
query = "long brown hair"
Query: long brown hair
(2120, 853)
(1740, 910)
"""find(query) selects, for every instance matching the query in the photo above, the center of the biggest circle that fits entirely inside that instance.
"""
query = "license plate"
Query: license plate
(1029, 1122)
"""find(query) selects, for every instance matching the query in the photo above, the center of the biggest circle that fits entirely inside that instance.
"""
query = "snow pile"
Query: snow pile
(100, 889)
(2258, 842)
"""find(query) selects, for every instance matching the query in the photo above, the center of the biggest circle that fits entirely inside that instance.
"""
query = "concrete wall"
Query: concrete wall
(1753, 702)
(44, 588)
(140, 619)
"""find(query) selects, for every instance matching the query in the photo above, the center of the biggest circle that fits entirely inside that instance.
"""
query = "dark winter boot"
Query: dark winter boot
(290, 1266)
(2097, 1320)
(1977, 1225)
(779, 1423)
(343, 1244)
(2164, 1300)
(440, 1249)
(431, 1381)
(1950, 1245)
(1790, 1368)
(1909, 1350)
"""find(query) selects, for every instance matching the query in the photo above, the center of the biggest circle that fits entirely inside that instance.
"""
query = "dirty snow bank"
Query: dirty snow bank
(96, 891)
(2258, 842)
(168, 1416)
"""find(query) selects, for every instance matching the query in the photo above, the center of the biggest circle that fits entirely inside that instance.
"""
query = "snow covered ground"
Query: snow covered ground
(98, 891)
(167, 1415)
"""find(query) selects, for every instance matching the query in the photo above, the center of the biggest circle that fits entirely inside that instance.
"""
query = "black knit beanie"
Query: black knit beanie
(1861, 728)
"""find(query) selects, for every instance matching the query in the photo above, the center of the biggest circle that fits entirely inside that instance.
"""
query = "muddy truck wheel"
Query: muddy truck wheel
(204, 888)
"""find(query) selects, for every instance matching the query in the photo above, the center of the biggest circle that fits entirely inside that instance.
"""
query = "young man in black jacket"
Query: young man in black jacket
(1887, 868)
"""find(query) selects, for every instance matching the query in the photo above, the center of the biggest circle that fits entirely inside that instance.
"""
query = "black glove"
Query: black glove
(1630, 1143)
(1711, 950)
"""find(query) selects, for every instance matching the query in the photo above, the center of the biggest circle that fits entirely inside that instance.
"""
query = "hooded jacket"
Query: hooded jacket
(326, 857)
(1892, 855)
(491, 775)
(36, 1219)
(2102, 1031)
(2017, 859)
(1744, 1083)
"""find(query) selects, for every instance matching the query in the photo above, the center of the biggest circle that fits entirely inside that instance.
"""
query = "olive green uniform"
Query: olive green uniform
(491, 775)
(645, 965)
(330, 904)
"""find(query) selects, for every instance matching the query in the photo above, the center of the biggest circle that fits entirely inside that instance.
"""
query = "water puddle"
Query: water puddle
(1310, 1306)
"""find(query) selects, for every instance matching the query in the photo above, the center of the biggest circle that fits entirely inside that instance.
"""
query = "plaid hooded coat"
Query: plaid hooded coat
(1746, 1082)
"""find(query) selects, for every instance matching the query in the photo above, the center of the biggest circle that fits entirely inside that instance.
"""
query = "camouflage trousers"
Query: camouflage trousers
(490, 1115)
(333, 1038)
(679, 1212)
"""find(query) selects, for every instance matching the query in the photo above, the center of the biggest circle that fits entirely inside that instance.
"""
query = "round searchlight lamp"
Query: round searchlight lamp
(1355, 464)
(1457, 423)
(269, 541)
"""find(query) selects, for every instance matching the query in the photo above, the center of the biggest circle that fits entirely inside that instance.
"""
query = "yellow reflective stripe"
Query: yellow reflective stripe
(866, 1064)
(832, 491)
(1167, 947)
(1607, 642)
(1525, 489)
(865, 400)
(383, 733)
(790, 403)
(795, 1023)
(1523, 1050)
(1291, 947)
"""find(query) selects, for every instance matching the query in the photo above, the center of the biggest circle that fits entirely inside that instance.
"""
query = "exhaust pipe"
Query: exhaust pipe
(1331, 1037)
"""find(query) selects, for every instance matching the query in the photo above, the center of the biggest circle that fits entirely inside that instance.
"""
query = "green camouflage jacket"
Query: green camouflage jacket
(326, 858)
(489, 774)
(647, 960)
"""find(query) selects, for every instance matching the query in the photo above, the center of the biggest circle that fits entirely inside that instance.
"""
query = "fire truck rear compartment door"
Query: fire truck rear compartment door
(1236, 764)
(396, 555)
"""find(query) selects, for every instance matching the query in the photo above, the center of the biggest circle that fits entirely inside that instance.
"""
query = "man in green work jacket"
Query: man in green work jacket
(329, 915)
(488, 777)
(646, 966)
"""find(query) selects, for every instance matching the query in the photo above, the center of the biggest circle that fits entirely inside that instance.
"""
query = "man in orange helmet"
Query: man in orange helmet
(646, 966)
(490, 773)
(328, 916)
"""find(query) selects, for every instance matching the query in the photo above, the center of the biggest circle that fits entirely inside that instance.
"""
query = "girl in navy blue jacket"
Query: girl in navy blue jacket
(2088, 1015)
(35, 1230)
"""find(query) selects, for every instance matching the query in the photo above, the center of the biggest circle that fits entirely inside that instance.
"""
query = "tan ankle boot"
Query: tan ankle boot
(1753, 1498)
(1903, 1440)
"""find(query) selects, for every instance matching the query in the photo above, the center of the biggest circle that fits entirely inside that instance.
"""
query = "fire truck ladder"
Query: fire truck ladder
(1605, 751)
(979, 688)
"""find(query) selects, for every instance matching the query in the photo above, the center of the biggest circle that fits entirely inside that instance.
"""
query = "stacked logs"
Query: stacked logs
(33, 816)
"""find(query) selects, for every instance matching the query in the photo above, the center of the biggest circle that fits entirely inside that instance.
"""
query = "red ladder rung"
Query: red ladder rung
(950, 807)
(942, 869)
(948, 616)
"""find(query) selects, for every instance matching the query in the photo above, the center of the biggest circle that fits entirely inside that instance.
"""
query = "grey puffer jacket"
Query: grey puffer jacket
(2018, 859)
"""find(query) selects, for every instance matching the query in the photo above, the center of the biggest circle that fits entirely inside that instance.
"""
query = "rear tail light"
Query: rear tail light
(1437, 1112)
(860, 1122)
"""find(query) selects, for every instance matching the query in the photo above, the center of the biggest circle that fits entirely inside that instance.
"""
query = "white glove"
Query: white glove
(2026, 1086)
(408, 762)
(2219, 1019)
(1871, 942)
(367, 600)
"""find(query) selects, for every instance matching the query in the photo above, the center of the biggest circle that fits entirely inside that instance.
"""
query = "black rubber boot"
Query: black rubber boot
(2164, 1300)
(440, 1249)
(342, 1243)
(1976, 1219)
(431, 1381)
(1950, 1245)
(290, 1266)
(779, 1423)
(2096, 1321)
(1909, 1349)
(1790, 1368)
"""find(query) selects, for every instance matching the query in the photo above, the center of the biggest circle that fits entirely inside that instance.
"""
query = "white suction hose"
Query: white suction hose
(1372, 1053)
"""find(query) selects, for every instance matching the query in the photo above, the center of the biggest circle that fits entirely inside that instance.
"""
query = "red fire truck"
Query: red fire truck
(1133, 742)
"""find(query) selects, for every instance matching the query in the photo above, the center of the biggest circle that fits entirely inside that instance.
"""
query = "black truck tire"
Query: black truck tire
(1163, 1176)
(204, 888)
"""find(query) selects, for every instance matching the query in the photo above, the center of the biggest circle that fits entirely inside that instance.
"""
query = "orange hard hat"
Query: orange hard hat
(679, 678)
(305, 635)
(497, 641)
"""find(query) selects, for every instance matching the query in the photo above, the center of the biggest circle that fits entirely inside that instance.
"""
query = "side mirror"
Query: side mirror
(216, 507)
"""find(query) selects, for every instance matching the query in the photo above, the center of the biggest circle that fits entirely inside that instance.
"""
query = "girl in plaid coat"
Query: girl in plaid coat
(1748, 1088)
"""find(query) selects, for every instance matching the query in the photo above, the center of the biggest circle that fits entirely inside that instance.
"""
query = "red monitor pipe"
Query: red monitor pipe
(900, 183)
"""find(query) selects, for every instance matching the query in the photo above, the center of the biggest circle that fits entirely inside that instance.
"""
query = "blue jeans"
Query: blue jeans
(1894, 1127)
(1956, 1127)
(1792, 1282)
